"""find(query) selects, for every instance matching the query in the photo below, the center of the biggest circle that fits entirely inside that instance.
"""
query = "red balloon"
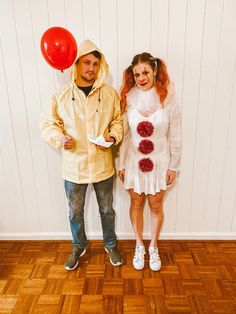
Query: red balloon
(58, 47)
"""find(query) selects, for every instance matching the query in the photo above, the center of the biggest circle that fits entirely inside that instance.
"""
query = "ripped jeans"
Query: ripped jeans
(76, 198)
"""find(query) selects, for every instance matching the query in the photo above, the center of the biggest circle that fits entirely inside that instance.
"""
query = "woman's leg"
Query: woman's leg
(156, 215)
(136, 214)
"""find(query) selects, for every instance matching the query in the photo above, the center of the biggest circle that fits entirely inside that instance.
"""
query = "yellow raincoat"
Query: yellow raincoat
(97, 114)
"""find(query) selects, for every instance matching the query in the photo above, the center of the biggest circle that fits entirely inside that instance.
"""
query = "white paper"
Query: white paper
(100, 140)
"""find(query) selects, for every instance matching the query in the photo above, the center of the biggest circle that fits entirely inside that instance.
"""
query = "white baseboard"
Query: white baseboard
(120, 236)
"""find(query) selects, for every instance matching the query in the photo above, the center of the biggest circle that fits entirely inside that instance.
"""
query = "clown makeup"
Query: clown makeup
(144, 76)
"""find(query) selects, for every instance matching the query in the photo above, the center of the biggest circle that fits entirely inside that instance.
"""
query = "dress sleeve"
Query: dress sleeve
(175, 135)
(124, 144)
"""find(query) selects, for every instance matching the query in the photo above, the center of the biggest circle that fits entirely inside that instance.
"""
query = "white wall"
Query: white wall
(197, 41)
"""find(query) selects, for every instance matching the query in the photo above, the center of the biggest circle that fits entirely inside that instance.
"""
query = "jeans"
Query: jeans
(76, 198)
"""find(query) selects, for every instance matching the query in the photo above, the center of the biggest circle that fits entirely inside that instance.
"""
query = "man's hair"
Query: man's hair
(96, 54)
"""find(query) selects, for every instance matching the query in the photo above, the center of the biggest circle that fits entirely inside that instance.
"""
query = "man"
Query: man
(86, 107)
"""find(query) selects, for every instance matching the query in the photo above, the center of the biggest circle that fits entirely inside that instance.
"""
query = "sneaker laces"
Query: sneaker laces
(139, 253)
(154, 255)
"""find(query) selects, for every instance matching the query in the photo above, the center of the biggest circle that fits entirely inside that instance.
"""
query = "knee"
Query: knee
(137, 205)
(156, 208)
(76, 208)
(107, 210)
(76, 216)
(138, 201)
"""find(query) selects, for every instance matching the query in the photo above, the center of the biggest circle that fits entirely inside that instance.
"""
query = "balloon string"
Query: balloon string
(62, 71)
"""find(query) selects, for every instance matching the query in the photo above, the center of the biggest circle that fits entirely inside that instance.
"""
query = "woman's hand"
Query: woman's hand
(121, 175)
(170, 176)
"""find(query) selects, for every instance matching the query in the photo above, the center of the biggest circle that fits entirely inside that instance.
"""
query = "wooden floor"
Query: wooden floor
(196, 277)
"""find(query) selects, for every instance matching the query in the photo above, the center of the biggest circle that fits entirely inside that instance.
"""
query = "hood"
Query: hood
(84, 48)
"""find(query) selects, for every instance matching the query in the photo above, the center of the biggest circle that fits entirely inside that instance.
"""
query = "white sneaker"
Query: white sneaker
(154, 258)
(138, 260)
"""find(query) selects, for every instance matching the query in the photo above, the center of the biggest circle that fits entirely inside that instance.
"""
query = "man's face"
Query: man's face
(144, 76)
(87, 69)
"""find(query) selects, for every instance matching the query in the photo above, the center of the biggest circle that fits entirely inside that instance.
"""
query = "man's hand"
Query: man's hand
(66, 142)
(121, 175)
(170, 176)
(107, 139)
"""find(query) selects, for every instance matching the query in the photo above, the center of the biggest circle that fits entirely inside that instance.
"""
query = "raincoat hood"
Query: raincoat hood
(85, 48)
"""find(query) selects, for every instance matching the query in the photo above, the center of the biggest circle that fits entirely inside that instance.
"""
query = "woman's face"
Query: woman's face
(144, 76)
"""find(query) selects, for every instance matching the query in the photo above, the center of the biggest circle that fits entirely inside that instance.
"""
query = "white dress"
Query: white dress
(152, 140)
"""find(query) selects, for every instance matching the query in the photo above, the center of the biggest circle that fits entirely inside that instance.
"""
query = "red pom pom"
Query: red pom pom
(145, 128)
(146, 165)
(146, 146)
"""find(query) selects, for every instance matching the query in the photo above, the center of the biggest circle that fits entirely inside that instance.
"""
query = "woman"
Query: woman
(150, 151)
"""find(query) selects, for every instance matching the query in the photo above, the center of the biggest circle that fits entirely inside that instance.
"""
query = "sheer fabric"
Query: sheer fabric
(145, 106)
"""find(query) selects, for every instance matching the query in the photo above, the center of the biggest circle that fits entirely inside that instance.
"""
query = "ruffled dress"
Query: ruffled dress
(152, 140)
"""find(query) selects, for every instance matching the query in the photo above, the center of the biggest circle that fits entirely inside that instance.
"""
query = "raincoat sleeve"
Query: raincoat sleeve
(175, 136)
(125, 144)
(51, 125)
(116, 125)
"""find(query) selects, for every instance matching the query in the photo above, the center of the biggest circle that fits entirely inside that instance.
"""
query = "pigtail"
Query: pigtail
(128, 83)
(162, 80)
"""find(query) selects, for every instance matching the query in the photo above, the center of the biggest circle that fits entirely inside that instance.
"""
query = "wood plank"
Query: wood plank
(198, 277)
(91, 304)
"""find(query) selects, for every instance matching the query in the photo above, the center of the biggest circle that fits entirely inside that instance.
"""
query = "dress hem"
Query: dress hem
(139, 192)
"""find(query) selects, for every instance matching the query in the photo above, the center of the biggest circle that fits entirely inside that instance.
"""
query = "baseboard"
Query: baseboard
(120, 236)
